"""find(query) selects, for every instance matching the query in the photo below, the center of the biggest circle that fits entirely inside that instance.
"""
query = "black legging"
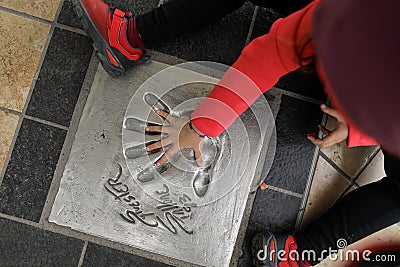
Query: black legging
(360, 213)
(176, 17)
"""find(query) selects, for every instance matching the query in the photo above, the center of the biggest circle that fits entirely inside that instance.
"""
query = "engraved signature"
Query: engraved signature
(175, 211)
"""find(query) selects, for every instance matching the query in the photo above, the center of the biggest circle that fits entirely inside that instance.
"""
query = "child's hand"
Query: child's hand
(180, 136)
(331, 137)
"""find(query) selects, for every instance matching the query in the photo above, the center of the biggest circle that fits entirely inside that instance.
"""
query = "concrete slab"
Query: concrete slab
(100, 194)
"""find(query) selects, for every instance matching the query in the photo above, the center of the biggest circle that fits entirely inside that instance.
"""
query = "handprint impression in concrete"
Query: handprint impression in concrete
(183, 160)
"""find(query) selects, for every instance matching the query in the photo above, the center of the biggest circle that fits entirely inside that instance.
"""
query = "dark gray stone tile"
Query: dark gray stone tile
(220, 42)
(67, 15)
(272, 211)
(306, 84)
(300, 82)
(138, 7)
(294, 152)
(61, 76)
(264, 20)
(102, 256)
(24, 245)
(30, 171)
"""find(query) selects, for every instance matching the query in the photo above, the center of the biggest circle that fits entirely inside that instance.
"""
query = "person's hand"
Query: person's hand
(331, 138)
(179, 136)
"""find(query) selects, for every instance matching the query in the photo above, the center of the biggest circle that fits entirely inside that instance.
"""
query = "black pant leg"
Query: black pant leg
(362, 212)
(176, 17)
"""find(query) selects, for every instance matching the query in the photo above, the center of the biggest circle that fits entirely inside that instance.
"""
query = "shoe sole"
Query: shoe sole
(99, 44)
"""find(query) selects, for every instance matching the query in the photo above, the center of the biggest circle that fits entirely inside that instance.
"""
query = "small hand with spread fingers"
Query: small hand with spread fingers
(330, 138)
(179, 136)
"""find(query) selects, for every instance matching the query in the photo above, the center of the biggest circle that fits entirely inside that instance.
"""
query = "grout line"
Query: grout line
(253, 21)
(365, 165)
(68, 232)
(344, 192)
(306, 194)
(298, 96)
(11, 111)
(69, 139)
(284, 191)
(45, 21)
(10, 150)
(6, 110)
(36, 76)
(311, 174)
(358, 174)
(23, 115)
(60, 6)
(338, 169)
(244, 224)
(19, 220)
(70, 28)
(24, 15)
(46, 122)
(80, 263)
(28, 98)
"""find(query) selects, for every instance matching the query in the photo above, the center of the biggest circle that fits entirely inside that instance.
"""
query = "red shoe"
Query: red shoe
(108, 29)
(276, 250)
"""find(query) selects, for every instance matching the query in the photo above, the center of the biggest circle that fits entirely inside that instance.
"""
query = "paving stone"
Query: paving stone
(97, 155)
(327, 186)
(264, 20)
(8, 125)
(136, 6)
(22, 41)
(67, 15)
(307, 84)
(350, 160)
(272, 211)
(25, 245)
(61, 76)
(374, 172)
(294, 152)
(30, 171)
(45, 9)
(102, 256)
(300, 82)
(219, 42)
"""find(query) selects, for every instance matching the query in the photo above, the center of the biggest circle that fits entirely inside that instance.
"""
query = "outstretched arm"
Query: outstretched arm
(258, 68)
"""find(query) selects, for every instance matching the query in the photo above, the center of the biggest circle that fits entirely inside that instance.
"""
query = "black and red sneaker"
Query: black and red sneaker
(108, 28)
(274, 250)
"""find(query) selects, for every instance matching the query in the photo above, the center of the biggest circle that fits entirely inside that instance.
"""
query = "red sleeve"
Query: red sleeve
(258, 68)
(358, 138)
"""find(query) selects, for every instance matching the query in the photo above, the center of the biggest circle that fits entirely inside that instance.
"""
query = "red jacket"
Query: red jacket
(264, 61)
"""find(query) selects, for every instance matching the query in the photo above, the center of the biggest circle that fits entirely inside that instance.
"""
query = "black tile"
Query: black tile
(67, 15)
(264, 20)
(102, 256)
(300, 82)
(272, 211)
(30, 171)
(219, 42)
(294, 152)
(136, 6)
(306, 84)
(61, 76)
(24, 245)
